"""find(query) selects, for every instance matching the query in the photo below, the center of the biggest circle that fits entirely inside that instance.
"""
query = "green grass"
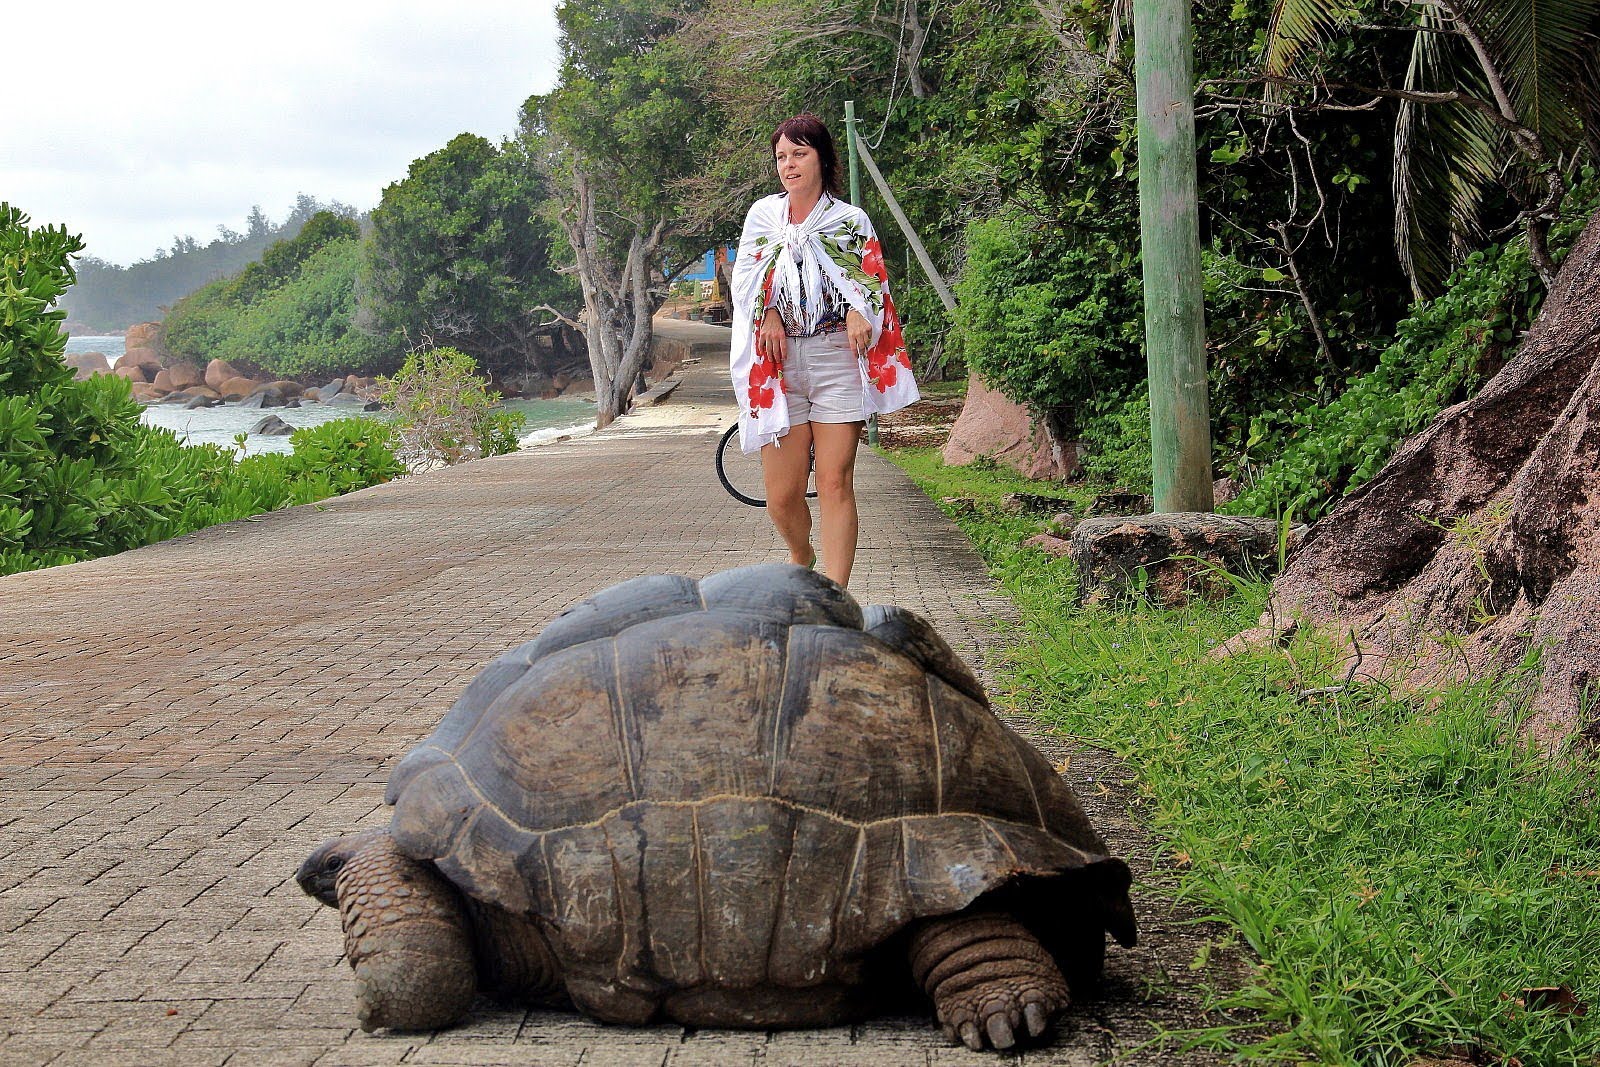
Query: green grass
(1403, 866)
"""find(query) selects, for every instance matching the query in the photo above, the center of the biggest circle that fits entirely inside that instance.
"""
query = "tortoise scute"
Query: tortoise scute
(782, 593)
(613, 610)
(696, 715)
(853, 735)
(504, 671)
(916, 637)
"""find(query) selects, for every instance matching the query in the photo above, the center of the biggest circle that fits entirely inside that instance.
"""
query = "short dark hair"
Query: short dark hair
(812, 132)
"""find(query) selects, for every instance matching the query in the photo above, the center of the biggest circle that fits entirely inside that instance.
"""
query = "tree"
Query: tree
(624, 126)
(461, 252)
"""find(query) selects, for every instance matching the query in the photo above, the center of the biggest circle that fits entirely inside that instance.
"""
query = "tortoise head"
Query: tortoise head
(320, 869)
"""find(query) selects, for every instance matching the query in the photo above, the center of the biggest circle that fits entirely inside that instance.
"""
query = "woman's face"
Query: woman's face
(799, 168)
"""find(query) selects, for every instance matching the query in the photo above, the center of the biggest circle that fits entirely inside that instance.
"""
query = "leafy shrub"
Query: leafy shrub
(81, 476)
(444, 413)
(1049, 315)
(1116, 440)
(1320, 453)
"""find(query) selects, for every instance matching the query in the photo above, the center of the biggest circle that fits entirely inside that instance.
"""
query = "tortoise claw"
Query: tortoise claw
(1038, 1019)
(1000, 1035)
(970, 1036)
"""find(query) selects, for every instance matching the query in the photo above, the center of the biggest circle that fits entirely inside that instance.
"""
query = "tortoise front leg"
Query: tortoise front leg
(989, 977)
(407, 938)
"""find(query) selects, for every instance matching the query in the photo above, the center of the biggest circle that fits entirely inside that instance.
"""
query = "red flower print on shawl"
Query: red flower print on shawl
(891, 346)
(872, 260)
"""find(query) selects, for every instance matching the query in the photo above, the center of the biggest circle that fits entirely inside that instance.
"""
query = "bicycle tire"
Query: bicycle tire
(729, 438)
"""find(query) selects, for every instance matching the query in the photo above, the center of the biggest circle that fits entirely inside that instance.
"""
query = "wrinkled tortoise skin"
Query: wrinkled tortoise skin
(745, 783)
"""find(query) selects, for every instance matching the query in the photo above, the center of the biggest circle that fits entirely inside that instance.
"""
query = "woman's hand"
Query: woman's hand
(860, 331)
(771, 341)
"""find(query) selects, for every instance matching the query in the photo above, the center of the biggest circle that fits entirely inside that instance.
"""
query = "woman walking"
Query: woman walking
(816, 343)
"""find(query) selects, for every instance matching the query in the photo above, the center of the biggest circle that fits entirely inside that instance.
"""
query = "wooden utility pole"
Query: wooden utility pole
(1169, 224)
(850, 139)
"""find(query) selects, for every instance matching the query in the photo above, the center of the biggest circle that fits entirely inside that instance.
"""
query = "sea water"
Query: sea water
(543, 420)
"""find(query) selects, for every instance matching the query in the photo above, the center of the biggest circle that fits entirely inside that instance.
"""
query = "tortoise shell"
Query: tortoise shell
(741, 782)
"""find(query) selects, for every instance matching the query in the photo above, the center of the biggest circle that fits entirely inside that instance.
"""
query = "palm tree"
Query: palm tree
(1497, 92)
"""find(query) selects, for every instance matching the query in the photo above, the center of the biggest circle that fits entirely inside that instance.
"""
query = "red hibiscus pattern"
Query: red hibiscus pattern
(872, 260)
(889, 353)
(766, 375)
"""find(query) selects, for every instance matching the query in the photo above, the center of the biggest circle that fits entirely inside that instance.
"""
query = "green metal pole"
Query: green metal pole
(855, 198)
(850, 139)
(1174, 305)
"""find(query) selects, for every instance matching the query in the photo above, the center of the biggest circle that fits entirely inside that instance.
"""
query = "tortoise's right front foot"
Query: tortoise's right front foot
(991, 980)
(407, 937)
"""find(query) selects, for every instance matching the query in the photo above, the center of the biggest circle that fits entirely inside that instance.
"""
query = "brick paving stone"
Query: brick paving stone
(184, 722)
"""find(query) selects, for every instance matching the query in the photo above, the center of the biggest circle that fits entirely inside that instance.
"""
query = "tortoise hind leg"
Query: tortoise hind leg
(407, 938)
(991, 980)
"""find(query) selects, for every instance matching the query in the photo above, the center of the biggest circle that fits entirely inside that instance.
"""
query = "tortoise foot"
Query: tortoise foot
(992, 983)
(407, 939)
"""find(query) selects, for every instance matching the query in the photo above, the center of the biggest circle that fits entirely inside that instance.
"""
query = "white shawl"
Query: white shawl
(835, 241)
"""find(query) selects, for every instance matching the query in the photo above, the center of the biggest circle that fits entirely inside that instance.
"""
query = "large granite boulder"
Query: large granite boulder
(272, 426)
(287, 387)
(185, 374)
(1172, 557)
(266, 396)
(202, 402)
(147, 358)
(84, 364)
(144, 335)
(993, 427)
(144, 392)
(133, 374)
(219, 372)
(238, 387)
(163, 381)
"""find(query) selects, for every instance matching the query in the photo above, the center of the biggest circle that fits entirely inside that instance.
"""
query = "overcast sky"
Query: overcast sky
(133, 123)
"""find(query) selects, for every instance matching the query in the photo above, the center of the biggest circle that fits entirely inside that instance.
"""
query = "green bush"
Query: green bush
(81, 476)
(1048, 314)
(444, 413)
(1116, 440)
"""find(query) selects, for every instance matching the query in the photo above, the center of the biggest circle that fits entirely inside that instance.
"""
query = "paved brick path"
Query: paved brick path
(181, 724)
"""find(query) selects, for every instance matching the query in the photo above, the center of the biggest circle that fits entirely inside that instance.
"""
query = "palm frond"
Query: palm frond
(1447, 156)
(1298, 26)
(1586, 96)
(1539, 48)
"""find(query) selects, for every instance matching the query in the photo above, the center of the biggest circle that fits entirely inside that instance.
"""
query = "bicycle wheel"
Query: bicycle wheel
(741, 475)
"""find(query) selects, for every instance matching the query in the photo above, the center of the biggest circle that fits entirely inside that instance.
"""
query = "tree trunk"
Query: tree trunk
(1481, 537)
(618, 302)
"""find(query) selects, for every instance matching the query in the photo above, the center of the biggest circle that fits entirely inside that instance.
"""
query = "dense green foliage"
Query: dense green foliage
(1311, 456)
(1402, 867)
(444, 413)
(81, 476)
(461, 254)
(109, 297)
(1045, 314)
(293, 313)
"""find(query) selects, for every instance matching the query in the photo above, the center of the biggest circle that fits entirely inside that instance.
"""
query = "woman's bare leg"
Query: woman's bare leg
(785, 467)
(836, 493)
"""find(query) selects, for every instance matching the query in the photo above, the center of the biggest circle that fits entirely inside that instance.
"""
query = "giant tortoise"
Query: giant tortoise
(737, 802)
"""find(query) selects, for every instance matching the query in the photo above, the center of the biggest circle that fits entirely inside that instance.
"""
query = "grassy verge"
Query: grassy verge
(1404, 868)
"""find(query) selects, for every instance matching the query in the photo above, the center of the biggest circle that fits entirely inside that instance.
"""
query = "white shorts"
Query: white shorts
(822, 379)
